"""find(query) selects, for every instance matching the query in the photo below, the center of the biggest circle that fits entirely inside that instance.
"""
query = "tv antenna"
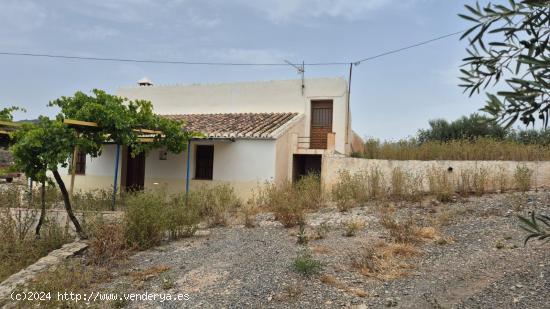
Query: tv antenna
(301, 70)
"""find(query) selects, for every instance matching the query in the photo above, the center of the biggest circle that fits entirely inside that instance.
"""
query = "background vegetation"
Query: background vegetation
(469, 138)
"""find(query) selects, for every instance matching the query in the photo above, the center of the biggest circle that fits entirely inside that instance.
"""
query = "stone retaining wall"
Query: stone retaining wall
(53, 259)
(333, 164)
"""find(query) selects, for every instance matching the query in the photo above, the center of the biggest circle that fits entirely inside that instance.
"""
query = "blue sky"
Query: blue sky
(392, 97)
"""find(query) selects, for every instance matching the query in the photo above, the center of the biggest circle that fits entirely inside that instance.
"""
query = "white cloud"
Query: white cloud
(284, 11)
(240, 55)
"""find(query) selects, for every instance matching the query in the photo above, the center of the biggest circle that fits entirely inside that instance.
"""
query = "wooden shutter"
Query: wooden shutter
(80, 163)
(204, 162)
(321, 123)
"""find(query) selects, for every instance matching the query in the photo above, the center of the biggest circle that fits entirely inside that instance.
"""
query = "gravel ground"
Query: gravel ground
(483, 265)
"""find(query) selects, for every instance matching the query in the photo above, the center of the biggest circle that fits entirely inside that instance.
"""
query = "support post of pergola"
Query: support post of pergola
(188, 171)
(117, 158)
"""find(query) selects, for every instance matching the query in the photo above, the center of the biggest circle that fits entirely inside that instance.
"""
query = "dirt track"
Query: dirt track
(483, 265)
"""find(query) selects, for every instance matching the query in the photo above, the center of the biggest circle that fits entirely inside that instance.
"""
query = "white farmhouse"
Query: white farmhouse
(255, 132)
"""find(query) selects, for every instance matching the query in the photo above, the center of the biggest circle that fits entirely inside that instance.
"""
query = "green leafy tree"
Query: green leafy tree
(509, 46)
(41, 147)
(6, 114)
(47, 145)
(470, 127)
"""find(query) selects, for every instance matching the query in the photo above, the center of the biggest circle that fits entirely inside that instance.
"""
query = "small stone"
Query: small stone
(390, 302)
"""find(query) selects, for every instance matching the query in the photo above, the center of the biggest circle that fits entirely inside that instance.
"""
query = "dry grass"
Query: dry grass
(501, 180)
(71, 277)
(352, 226)
(446, 215)
(523, 177)
(478, 149)
(376, 183)
(350, 190)
(321, 249)
(427, 232)
(404, 231)
(405, 186)
(321, 231)
(214, 203)
(107, 243)
(249, 212)
(289, 202)
(332, 281)
(440, 184)
(149, 273)
(384, 261)
(18, 245)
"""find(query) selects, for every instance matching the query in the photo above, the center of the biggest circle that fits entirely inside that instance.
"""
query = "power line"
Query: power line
(409, 47)
(160, 61)
(206, 63)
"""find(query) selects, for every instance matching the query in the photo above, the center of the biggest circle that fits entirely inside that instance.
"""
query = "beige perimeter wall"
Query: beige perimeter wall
(332, 165)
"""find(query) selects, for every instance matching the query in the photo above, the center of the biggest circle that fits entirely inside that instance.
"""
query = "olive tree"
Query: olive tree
(47, 145)
(509, 48)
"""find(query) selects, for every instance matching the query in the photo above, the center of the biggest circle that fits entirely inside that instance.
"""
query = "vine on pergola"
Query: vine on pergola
(46, 145)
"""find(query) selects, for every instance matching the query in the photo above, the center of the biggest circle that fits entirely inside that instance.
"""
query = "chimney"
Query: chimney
(145, 82)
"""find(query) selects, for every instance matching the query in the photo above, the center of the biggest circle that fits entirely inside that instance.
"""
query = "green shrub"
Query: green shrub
(302, 237)
(144, 219)
(322, 230)
(99, 200)
(150, 217)
(305, 264)
(181, 220)
(214, 203)
(289, 202)
(285, 203)
(310, 192)
(350, 190)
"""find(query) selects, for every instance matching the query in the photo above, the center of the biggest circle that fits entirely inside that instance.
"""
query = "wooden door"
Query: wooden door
(321, 123)
(135, 171)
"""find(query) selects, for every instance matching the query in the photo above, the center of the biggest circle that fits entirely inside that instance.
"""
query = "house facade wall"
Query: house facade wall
(285, 149)
(253, 97)
(243, 164)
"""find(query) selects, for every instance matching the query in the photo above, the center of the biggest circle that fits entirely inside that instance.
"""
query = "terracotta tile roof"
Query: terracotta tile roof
(235, 125)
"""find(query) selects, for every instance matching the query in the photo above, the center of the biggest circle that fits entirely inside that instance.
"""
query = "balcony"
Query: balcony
(309, 145)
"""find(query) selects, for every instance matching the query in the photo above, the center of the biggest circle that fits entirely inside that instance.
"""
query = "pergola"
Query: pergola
(6, 127)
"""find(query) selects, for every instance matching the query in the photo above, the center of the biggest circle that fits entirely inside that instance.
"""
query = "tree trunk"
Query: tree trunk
(67, 202)
(42, 209)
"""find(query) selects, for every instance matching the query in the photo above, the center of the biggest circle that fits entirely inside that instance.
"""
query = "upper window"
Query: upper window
(204, 162)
